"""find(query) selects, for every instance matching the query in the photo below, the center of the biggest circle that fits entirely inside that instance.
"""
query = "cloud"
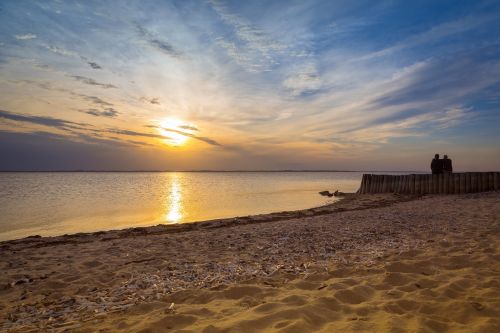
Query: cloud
(92, 82)
(94, 65)
(161, 45)
(154, 100)
(95, 100)
(189, 128)
(79, 130)
(25, 36)
(200, 138)
(61, 51)
(252, 48)
(40, 120)
(108, 112)
(67, 53)
(303, 80)
(134, 133)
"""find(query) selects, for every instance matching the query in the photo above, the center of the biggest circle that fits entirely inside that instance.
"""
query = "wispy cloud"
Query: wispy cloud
(200, 138)
(303, 80)
(154, 100)
(78, 129)
(41, 120)
(107, 112)
(92, 82)
(25, 36)
(135, 133)
(95, 100)
(94, 65)
(252, 47)
(61, 51)
(157, 43)
(68, 53)
(189, 127)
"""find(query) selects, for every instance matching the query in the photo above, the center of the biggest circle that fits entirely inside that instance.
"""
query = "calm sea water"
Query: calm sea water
(59, 203)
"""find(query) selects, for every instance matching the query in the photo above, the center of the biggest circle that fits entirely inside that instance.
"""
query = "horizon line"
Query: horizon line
(209, 170)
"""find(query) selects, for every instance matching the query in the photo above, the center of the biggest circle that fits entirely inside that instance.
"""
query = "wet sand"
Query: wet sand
(374, 263)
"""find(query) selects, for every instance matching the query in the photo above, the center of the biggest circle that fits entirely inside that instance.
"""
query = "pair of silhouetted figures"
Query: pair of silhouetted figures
(441, 165)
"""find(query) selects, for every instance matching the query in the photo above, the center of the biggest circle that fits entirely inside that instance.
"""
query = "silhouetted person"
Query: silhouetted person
(436, 165)
(447, 166)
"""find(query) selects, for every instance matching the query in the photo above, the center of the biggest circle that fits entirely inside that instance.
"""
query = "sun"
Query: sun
(176, 130)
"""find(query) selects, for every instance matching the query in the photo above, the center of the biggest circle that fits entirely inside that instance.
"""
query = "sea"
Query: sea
(57, 203)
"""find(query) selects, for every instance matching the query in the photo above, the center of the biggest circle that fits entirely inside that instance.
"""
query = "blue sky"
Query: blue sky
(359, 85)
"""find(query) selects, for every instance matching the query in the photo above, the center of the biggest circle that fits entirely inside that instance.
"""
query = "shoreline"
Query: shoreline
(373, 263)
(346, 202)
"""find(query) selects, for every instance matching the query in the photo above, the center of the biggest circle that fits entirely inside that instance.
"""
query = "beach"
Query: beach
(374, 263)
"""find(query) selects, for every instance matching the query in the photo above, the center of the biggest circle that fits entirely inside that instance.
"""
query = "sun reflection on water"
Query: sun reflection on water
(174, 208)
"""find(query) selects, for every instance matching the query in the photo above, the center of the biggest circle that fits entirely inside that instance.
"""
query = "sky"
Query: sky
(249, 85)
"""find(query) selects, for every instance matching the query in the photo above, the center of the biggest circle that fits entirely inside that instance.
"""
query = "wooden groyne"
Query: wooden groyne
(454, 183)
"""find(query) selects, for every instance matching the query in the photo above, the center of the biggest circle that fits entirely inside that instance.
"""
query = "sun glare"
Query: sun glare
(174, 128)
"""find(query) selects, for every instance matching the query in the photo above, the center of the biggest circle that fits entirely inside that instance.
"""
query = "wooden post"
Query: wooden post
(485, 180)
(446, 185)
(402, 184)
(417, 184)
(479, 182)
(385, 184)
(473, 182)
(491, 184)
(496, 180)
(368, 183)
(362, 188)
(423, 184)
(429, 183)
(456, 183)
(412, 184)
(451, 184)
(468, 182)
(373, 186)
(441, 183)
(434, 183)
(462, 183)
(398, 184)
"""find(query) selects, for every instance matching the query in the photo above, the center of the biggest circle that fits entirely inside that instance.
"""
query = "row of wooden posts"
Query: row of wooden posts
(454, 183)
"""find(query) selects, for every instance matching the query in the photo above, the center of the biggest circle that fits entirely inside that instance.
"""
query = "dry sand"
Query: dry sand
(371, 263)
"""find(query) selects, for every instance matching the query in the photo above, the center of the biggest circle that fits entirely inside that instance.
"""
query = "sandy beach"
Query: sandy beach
(369, 263)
